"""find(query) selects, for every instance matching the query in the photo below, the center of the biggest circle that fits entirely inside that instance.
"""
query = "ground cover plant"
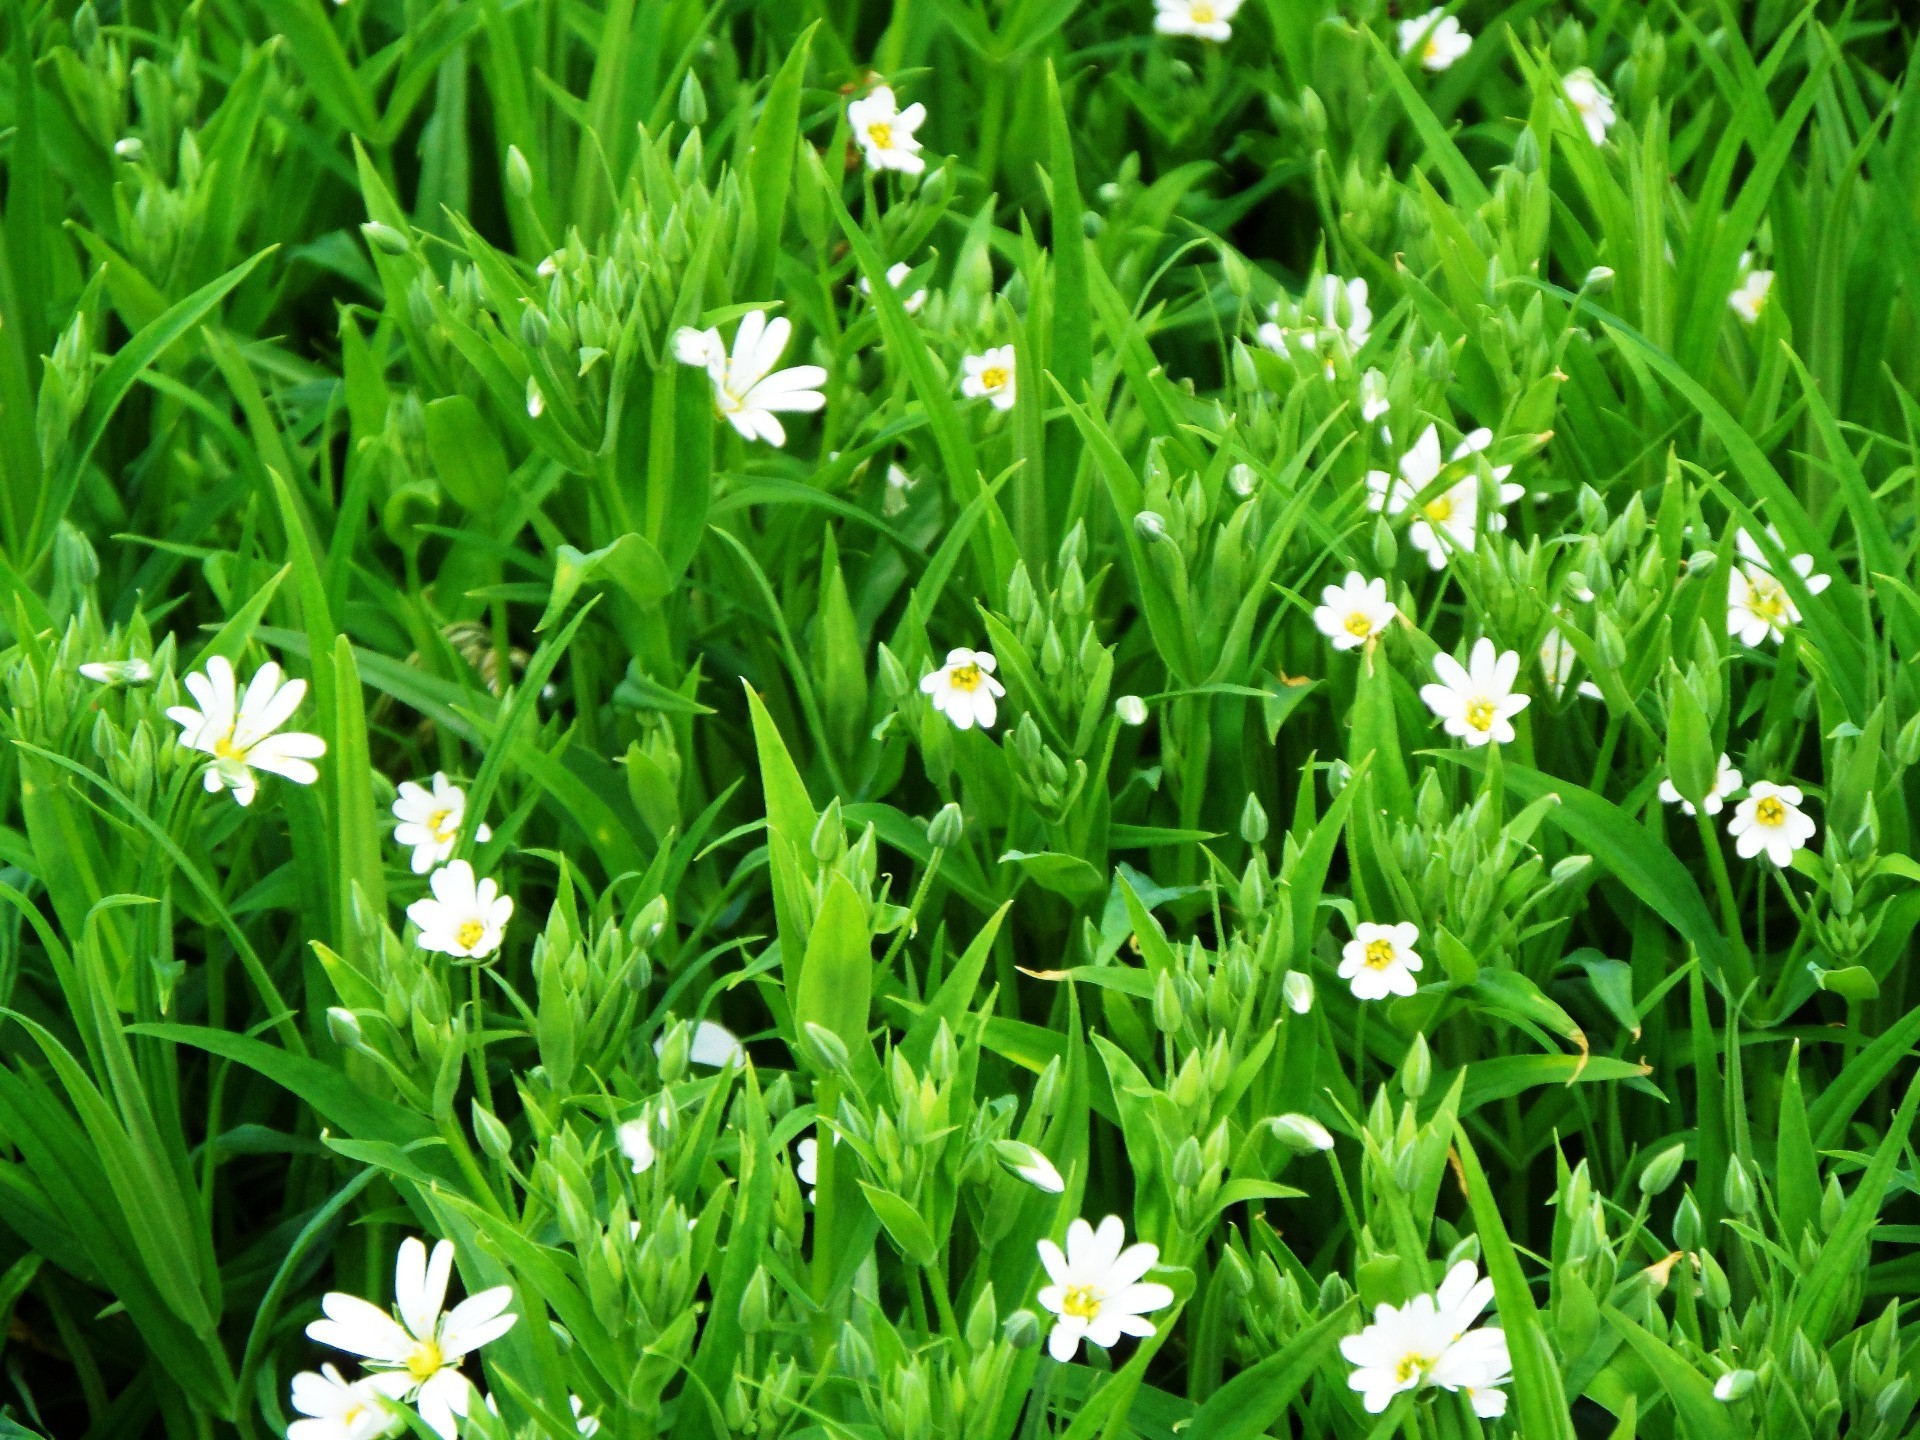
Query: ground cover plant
(972, 718)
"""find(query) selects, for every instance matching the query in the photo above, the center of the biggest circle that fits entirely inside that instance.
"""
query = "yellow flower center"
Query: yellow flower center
(994, 377)
(965, 677)
(1412, 1367)
(225, 749)
(426, 1360)
(1767, 598)
(440, 826)
(1480, 714)
(1202, 13)
(1432, 52)
(1082, 1302)
(470, 933)
(1771, 811)
(1359, 624)
(881, 134)
(1379, 954)
(1439, 511)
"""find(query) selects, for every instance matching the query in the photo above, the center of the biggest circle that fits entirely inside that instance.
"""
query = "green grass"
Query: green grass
(350, 338)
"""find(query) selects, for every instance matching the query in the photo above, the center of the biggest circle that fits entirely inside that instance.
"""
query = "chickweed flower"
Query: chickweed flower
(1355, 611)
(461, 918)
(117, 672)
(1557, 659)
(1753, 290)
(1770, 821)
(1097, 1292)
(896, 277)
(1726, 780)
(240, 731)
(430, 820)
(1437, 37)
(806, 1168)
(1759, 607)
(1302, 1132)
(1380, 961)
(1202, 19)
(884, 131)
(990, 375)
(1476, 701)
(338, 1409)
(713, 1044)
(964, 689)
(1590, 102)
(1430, 1341)
(1373, 396)
(748, 392)
(1455, 511)
(416, 1357)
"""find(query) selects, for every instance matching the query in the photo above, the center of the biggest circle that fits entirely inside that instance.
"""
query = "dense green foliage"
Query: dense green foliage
(365, 340)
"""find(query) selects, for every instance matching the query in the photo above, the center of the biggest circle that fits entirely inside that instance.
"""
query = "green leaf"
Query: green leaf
(1255, 1400)
(903, 1223)
(466, 455)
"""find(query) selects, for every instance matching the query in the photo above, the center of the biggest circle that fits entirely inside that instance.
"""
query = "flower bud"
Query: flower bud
(1599, 280)
(1022, 1330)
(519, 174)
(1906, 748)
(534, 329)
(944, 830)
(1662, 1170)
(983, 1319)
(1416, 1071)
(1734, 1385)
(756, 1303)
(495, 1141)
(856, 1355)
(1253, 821)
(1386, 546)
(1297, 989)
(1833, 1204)
(652, 922)
(344, 1026)
(1686, 1223)
(1739, 1191)
(1150, 525)
(1301, 1132)
(384, 238)
(1167, 1014)
(1713, 1281)
(826, 1049)
(1131, 709)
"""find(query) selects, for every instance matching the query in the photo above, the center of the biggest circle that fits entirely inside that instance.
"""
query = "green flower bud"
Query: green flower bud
(1386, 545)
(983, 1320)
(1906, 748)
(344, 1026)
(1833, 1204)
(1686, 1223)
(1739, 1188)
(1301, 1132)
(534, 330)
(1734, 1385)
(1416, 1071)
(495, 1141)
(756, 1303)
(1713, 1281)
(1131, 709)
(693, 101)
(1236, 1274)
(1150, 526)
(826, 1049)
(1659, 1173)
(856, 1355)
(384, 238)
(1022, 1330)
(1253, 821)
(519, 174)
(829, 839)
(1167, 1014)
(1297, 990)
(944, 830)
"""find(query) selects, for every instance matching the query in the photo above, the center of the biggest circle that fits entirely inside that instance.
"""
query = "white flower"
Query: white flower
(713, 1044)
(588, 1425)
(1302, 1132)
(896, 277)
(1726, 780)
(899, 482)
(747, 390)
(1590, 102)
(1380, 961)
(1770, 819)
(1437, 36)
(339, 1410)
(1359, 319)
(1030, 1165)
(1751, 294)
(1297, 989)
(990, 375)
(1759, 607)
(117, 672)
(1428, 1341)
(1373, 396)
(1455, 510)
(1097, 1291)
(885, 132)
(238, 730)
(635, 1139)
(461, 918)
(1557, 659)
(1202, 19)
(1355, 611)
(417, 1357)
(1476, 701)
(430, 820)
(807, 1171)
(964, 689)
(1131, 709)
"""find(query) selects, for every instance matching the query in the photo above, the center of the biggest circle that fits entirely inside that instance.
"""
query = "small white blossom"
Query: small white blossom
(1759, 607)
(1355, 611)
(1430, 1341)
(1726, 780)
(1380, 961)
(635, 1139)
(1437, 36)
(417, 1357)
(430, 821)
(1455, 511)
(1590, 102)
(1202, 19)
(134, 671)
(1476, 702)
(1557, 659)
(884, 131)
(896, 277)
(991, 375)
(1096, 1288)
(461, 918)
(1030, 1165)
(964, 689)
(1770, 821)
(337, 1409)
(748, 392)
(1752, 291)
(239, 731)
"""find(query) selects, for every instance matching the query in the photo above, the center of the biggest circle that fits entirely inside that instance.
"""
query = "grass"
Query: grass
(387, 342)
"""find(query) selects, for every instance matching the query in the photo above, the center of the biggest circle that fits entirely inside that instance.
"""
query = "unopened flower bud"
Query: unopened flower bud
(1253, 821)
(1734, 1385)
(1297, 989)
(1599, 280)
(1416, 1072)
(384, 238)
(1131, 709)
(344, 1026)
(1150, 525)
(1301, 1132)
(756, 1303)
(1662, 1170)
(944, 830)
(519, 174)
(693, 101)
(1022, 1330)
(495, 1140)
(1739, 1188)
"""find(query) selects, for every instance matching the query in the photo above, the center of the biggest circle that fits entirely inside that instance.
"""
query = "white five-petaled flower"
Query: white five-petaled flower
(884, 131)
(1380, 961)
(964, 689)
(1726, 780)
(1097, 1292)
(1590, 102)
(990, 375)
(1202, 19)
(1430, 1341)
(896, 277)
(1770, 821)
(1752, 290)
(1759, 607)
(417, 1356)
(1455, 511)
(1437, 36)
(748, 392)
(1476, 701)
(712, 1044)
(1355, 611)
(430, 820)
(238, 731)
(338, 1409)
(133, 671)
(462, 918)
